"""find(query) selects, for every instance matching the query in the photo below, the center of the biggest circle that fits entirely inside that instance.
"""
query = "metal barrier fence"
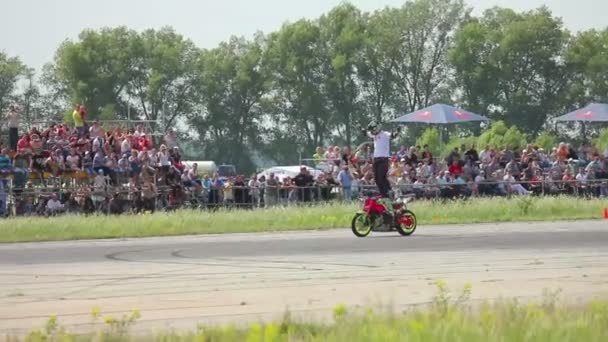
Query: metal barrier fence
(121, 199)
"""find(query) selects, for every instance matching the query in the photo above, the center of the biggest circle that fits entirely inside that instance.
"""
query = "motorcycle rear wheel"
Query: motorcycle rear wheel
(407, 223)
(361, 225)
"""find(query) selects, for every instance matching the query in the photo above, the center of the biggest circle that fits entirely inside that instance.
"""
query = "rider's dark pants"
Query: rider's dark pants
(380, 172)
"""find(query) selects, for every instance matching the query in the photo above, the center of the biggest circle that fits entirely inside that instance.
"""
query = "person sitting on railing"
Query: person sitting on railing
(53, 206)
(461, 186)
(512, 186)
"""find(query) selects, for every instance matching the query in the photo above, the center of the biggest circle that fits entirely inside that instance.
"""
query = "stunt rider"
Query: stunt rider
(382, 150)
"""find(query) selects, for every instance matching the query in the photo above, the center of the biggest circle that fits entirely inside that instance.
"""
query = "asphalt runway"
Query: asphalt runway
(178, 282)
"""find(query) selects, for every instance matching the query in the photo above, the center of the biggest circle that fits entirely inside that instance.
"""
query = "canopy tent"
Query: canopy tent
(440, 114)
(595, 112)
(281, 172)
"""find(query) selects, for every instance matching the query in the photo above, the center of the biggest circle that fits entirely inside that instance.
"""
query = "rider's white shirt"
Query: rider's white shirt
(382, 145)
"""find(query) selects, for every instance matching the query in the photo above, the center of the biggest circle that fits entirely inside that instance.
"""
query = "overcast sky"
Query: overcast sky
(33, 29)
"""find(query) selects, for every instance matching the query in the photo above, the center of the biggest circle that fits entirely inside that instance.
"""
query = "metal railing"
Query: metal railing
(121, 199)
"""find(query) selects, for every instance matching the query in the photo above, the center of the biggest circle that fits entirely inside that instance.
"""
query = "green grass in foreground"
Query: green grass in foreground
(445, 320)
(291, 218)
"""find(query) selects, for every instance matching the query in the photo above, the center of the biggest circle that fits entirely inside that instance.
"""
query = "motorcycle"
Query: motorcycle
(375, 217)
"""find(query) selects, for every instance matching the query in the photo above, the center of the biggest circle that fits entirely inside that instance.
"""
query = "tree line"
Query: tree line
(317, 81)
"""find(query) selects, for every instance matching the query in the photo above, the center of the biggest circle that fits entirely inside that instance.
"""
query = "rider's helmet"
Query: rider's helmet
(372, 127)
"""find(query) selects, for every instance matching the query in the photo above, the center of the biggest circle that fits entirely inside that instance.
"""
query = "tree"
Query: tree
(588, 54)
(432, 138)
(10, 70)
(96, 69)
(511, 66)
(425, 33)
(165, 77)
(232, 84)
(500, 135)
(546, 140)
(342, 32)
(299, 101)
(29, 100)
(375, 65)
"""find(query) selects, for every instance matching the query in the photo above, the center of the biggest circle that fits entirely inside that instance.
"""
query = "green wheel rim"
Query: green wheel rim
(362, 224)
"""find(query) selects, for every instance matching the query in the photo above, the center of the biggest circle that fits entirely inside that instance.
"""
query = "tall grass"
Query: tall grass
(445, 320)
(322, 216)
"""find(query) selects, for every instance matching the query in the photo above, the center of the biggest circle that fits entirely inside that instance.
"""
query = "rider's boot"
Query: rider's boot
(388, 205)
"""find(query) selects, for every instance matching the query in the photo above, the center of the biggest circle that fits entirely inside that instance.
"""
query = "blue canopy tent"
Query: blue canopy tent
(440, 114)
(595, 112)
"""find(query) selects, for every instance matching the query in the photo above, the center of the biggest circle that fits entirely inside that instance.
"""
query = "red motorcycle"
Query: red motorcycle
(375, 217)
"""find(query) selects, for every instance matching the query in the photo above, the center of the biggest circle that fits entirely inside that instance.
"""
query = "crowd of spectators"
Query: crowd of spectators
(467, 172)
(87, 168)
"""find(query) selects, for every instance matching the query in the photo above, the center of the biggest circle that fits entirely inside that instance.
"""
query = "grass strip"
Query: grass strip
(323, 216)
(505, 321)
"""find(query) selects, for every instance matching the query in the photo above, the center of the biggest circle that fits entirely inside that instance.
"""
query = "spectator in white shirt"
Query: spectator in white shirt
(515, 187)
(125, 145)
(486, 155)
(53, 206)
(73, 160)
(254, 186)
(96, 131)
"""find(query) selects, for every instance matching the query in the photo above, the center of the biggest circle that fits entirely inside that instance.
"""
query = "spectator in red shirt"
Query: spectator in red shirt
(24, 143)
(455, 169)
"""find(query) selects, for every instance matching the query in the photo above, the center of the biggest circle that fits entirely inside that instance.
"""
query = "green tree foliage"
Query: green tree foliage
(375, 64)
(546, 140)
(232, 83)
(432, 138)
(458, 142)
(154, 72)
(422, 39)
(165, 77)
(602, 139)
(96, 68)
(342, 31)
(11, 69)
(500, 136)
(299, 100)
(588, 53)
(510, 65)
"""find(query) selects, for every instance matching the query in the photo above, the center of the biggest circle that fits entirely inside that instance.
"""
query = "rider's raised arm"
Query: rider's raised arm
(395, 134)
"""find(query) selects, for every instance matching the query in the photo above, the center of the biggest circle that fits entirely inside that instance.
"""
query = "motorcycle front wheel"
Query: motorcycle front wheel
(361, 225)
(406, 223)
